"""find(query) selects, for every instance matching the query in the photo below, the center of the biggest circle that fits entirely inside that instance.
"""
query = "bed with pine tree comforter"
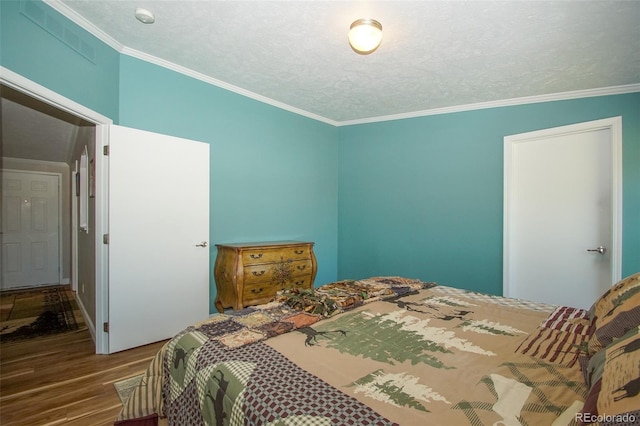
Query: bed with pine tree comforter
(380, 351)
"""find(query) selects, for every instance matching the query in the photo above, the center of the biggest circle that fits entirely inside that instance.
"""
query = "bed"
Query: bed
(400, 351)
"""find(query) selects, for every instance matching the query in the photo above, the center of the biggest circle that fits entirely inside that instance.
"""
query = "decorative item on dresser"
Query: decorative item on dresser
(251, 273)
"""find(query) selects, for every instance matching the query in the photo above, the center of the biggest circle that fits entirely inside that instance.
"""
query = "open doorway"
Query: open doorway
(43, 131)
(38, 142)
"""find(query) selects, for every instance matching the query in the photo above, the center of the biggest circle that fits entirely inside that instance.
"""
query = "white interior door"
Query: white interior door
(30, 229)
(560, 208)
(158, 221)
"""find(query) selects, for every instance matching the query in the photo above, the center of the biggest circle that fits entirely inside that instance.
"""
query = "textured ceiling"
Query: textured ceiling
(435, 54)
(34, 130)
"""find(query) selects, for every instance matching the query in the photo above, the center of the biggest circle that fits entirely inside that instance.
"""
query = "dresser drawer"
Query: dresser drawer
(266, 290)
(270, 255)
(259, 290)
(302, 281)
(274, 272)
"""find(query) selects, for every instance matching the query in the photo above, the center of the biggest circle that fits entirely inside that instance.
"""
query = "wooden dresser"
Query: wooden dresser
(251, 273)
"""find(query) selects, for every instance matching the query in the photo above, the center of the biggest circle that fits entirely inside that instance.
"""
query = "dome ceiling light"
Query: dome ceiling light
(365, 35)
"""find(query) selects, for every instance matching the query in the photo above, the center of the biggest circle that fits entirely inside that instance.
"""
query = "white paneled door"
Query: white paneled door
(158, 247)
(561, 207)
(30, 229)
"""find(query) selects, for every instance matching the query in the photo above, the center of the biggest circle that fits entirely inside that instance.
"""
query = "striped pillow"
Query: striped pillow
(613, 379)
(615, 313)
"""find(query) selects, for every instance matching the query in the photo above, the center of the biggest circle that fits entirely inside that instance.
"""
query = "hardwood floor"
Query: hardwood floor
(59, 380)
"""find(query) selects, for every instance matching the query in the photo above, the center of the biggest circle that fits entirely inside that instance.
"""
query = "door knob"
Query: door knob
(202, 244)
(601, 250)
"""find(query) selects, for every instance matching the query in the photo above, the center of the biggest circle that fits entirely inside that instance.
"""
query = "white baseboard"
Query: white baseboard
(87, 319)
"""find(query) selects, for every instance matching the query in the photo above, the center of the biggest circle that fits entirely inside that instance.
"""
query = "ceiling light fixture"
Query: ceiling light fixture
(144, 16)
(365, 35)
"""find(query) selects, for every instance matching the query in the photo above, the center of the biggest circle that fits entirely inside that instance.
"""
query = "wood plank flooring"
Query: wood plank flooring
(59, 380)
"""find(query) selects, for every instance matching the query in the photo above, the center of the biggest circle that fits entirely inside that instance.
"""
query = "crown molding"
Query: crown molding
(69, 13)
(561, 96)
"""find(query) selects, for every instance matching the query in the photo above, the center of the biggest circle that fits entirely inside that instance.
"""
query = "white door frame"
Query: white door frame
(614, 125)
(35, 90)
(59, 212)
(74, 230)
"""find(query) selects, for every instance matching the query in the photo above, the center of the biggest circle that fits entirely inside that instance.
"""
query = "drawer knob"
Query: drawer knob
(256, 290)
(257, 274)
(298, 251)
(301, 267)
(255, 256)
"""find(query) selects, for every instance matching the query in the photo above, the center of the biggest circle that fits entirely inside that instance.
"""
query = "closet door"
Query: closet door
(158, 247)
(561, 213)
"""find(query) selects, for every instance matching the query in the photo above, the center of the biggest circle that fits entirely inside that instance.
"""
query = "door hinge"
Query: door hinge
(105, 239)
(105, 150)
(105, 327)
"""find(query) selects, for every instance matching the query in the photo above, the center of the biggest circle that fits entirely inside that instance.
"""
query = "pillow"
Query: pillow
(613, 379)
(614, 313)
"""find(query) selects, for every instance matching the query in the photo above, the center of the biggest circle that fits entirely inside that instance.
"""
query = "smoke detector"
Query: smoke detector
(145, 16)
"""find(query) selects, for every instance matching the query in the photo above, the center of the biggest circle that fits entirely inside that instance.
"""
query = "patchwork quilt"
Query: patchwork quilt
(381, 351)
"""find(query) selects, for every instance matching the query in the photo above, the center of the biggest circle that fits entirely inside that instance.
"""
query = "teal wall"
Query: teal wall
(37, 54)
(418, 197)
(273, 173)
(423, 197)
